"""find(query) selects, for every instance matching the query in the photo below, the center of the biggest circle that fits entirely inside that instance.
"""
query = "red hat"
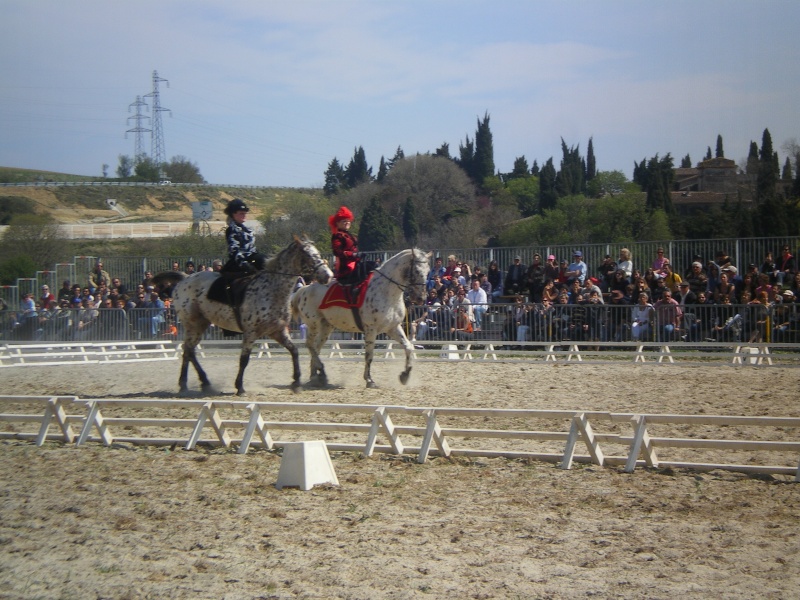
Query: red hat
(342, 214)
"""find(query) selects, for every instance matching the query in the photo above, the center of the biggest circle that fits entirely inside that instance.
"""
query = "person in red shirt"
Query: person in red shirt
(344, 245)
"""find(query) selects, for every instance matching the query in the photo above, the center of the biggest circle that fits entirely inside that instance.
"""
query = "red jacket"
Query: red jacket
(344, 246)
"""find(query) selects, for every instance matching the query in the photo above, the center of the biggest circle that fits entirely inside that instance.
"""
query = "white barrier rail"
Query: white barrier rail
(51, 354)
(608, 439)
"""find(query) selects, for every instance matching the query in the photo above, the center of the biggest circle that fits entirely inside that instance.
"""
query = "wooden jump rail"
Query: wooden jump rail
(81, 421)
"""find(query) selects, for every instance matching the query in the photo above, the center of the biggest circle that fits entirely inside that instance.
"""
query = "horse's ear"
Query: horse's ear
(429, 254)
(296, 239)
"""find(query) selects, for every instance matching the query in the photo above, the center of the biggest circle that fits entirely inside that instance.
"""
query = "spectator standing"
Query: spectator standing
(438, 270)
(787, 266)
(626, 264)
(551, 268)
(769, 267)
(671, 278)
(607, 269)
(495, 278)
(97, 276)
(658, 263)
(515, 277)
(535, 278)
(65, 293)
(577, 269)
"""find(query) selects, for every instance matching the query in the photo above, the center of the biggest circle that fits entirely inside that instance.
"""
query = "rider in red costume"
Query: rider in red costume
(345, 246)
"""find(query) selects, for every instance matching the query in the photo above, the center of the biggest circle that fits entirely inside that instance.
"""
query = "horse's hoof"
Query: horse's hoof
(404, 377)
(295, 387)
(371, 384)
(183, 392)
(240, 392)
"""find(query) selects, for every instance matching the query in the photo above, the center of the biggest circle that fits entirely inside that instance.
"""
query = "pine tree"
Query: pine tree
(535, 169)
(466, 160)
(686, 162)
(591, 163)
(334, 178)
(410, 227)
(443, 150)
(720, 152)
(376, 231)
(571, 179)
(708, 154)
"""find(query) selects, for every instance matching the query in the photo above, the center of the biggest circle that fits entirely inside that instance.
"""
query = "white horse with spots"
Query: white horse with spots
(383, 310)
(263, 312)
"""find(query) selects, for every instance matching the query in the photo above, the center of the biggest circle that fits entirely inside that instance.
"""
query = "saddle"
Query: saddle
(346, 295)
(229, 288)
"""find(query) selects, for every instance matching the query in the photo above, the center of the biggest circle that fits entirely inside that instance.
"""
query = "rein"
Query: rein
(404, 287)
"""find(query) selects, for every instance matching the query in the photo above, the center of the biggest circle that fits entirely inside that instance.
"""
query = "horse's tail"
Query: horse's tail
(168, 278)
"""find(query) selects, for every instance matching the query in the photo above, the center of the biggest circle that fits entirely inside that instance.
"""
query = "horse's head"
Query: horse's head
(311, 261)
(418, 275)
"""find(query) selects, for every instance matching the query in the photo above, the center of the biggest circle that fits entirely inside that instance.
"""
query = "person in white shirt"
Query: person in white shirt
(478, 300)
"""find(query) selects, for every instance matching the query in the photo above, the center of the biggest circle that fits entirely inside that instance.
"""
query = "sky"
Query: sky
(269, 93)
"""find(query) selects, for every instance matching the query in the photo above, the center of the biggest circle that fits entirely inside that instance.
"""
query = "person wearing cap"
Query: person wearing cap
(551, 268)
(577, 269)
(457, 279)
(685, 295)
(242, 254)
(514, 282)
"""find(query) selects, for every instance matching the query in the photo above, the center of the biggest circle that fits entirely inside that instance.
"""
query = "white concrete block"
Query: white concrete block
(305, 464)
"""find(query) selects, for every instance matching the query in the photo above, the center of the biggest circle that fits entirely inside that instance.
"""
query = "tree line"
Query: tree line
(462, 200)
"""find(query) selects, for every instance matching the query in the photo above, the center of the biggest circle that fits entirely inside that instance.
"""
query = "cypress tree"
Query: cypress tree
(591, 163)
(382, 171)
(484, 151)
(708, 154)
(547, 186)
(752, 159)
(535, 169)
(358, 171)
(410, 227)
(520, 168)
(787, 169)
(720, 152)
(767, 175)
(334, 178)
(686, 162)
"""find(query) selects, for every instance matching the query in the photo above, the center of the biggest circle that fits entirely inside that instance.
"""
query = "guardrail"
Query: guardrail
(630, 440)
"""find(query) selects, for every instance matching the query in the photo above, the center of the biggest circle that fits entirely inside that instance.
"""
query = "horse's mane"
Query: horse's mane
(275, 262)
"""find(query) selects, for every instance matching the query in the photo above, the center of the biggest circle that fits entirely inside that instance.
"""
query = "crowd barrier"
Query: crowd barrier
(762, 445)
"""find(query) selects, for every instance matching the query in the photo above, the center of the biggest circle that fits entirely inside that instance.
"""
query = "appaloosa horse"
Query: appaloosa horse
(263, 312)
(382, 311)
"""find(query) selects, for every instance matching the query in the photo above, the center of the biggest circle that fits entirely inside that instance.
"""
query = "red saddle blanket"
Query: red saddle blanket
(346, 296)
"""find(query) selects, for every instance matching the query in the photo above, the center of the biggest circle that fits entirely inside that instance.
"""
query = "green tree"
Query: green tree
(35, 237)
(398, 156)
(708, 154)
(752, 159)
(591, 163)
(686, 162)
(358, 171)
(376, 231)
(125, 166)
(181, 170)
(443, 151)
(383, 169)
(520, 168)
(410, 227)
(571, 179)
(611, 183)
(147, 170)
(720, 152)
(16, 267)
(484, 151)
(767, 173)
(525, 191)
(547, 186)
(335, 178)
(466, 157)
(535, 169)
(297, 213)
(787, 169)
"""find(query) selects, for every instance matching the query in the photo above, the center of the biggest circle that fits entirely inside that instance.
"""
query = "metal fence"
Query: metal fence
(502, 324)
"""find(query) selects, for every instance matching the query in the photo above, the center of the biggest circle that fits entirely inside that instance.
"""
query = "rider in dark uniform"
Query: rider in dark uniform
(242, 254)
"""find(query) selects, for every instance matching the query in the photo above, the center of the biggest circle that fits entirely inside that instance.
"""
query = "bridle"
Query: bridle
(403, 286)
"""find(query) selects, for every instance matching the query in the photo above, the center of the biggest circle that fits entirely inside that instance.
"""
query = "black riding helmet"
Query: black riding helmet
(236, 205)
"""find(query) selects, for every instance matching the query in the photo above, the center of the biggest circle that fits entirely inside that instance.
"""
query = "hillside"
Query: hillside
(82, 204)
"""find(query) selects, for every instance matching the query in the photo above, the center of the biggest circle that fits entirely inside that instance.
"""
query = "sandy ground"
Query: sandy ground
(145, 522)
